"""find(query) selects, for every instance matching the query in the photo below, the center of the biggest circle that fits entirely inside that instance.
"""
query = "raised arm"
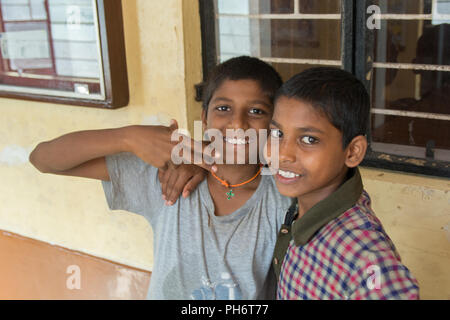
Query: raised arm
(82, 153)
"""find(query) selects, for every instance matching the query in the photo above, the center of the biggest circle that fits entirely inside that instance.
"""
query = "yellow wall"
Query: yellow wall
(415, 211)
(164, 62)
(72, 212)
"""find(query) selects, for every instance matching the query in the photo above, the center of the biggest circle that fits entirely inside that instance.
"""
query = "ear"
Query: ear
(356, 150)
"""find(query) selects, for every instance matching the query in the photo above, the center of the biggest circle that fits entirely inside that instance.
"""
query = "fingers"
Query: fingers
(200, 153)
(181, 181)
(174, 187)
(163, 177)
(193, 183)
(173, 124)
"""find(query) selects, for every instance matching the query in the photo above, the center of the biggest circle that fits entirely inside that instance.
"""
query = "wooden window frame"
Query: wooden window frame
(112, 45)
(357, 51)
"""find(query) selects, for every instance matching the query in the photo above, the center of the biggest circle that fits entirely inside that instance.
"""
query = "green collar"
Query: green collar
(328, 209)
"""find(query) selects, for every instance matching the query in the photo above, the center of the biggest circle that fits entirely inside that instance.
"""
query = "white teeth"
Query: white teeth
(236, 141)
(287, 174)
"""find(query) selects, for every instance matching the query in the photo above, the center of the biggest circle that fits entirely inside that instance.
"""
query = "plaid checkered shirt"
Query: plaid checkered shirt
(339, 250)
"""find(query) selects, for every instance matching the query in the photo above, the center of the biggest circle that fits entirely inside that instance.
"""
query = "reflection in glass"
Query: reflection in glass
(242, 31)
(424, 89)
(405, 7)
(50, 47)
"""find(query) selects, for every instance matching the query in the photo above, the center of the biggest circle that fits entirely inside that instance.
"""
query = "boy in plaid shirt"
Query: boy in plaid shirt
(331, 246)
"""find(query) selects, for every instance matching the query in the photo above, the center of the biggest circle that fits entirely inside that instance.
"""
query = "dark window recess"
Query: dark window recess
(404, 64)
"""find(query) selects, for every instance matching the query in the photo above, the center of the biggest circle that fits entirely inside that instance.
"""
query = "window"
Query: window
(402, 55)
(60, 51)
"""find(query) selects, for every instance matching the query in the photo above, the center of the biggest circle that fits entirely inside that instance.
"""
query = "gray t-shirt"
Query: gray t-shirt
(198, 255)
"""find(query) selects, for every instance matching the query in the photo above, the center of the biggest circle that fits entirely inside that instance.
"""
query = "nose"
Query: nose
(279, 151)
(239, 121)
(286, 151)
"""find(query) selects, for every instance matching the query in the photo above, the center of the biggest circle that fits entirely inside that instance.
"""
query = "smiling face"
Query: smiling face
(238, 104)
(312, 161)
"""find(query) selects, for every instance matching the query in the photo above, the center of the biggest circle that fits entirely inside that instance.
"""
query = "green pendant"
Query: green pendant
(230, 194)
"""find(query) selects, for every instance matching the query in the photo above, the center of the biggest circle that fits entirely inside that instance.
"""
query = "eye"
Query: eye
(257, 111)
(309, 140)
(222, 108)
(276, 133)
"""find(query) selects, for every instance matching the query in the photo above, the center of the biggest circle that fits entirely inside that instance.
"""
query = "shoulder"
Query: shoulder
(271, 204)
(366, 252)
(271, 190)
(271, 196)
(359, 230)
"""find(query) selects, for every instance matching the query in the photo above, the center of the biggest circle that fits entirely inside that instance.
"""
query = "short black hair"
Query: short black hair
(242, 68)
(335, 92)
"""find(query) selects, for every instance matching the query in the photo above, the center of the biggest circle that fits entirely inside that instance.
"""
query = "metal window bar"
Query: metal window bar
(399, 16)
(296, 6)
(282, 16)
(411, 114)
(302, 61)
(411, 66)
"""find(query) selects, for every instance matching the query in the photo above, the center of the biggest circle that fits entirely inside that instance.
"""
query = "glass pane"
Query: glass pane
(412, 41)
(409, 90)
(404, 7)
(404, 91)
(443, 7)
(50, 49)
(305, 39)
(233, 7)
(37, 9)
(413, 132)
(277, 6)
(255, 6)
(234, 37)
(412, 103)
(320, 6)
(291, 38)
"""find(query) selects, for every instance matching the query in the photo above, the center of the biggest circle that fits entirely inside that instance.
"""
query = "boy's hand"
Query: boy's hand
(152, 144)
(177, 180)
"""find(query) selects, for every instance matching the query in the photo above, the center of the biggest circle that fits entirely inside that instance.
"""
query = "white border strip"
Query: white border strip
(51, 93)
(99, 50)
(412, 114)
(49, 77)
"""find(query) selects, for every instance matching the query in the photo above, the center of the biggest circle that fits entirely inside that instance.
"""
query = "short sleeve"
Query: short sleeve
(134, 185)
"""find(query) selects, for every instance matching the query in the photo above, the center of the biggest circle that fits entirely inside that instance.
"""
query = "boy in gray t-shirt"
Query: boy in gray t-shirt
(218, 243)
(228, 256)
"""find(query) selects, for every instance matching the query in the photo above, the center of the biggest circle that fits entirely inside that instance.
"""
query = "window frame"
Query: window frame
(112, 47)
(364, 70)
(357, 54)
